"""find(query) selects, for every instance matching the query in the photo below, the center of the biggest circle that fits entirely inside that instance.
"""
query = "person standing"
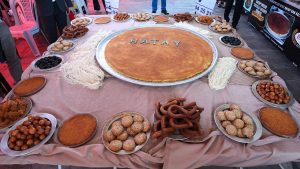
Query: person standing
(97, 5)
(8, 52)
(53, 17)
(163, 6)
(238, 9)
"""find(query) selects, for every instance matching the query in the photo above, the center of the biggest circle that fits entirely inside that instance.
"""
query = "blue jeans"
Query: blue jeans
(163, 5)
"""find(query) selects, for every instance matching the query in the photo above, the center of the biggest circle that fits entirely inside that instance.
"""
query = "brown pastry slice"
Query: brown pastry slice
(242, 53)
(102, 20)
(278, 122)
(160, 18)
(77, 130)
(29, 86)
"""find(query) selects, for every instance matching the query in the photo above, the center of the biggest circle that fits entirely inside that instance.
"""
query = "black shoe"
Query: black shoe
(153, 11)
(165, 12)
(234, 26)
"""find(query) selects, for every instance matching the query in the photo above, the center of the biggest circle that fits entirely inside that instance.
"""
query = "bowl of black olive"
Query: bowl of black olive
(48, 62)
(231, 41)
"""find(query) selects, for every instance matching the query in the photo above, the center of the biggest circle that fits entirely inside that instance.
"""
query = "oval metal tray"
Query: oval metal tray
(4, 146)
(232, 46)
(281, 106)
(103, 63)
(259, 77)
(60, 52)
(210, 27)
(27, 111)
(117, 117)
(112, 18)
(258, 126)
(90, 20)
(32, 65)
(270, 130)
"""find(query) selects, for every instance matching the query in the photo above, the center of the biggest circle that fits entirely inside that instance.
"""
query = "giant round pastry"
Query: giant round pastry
(158, 54)
(278, 121)
(77, 130)
(29, 86)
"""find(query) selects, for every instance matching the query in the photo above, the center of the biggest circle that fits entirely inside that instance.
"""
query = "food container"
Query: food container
(278, 25)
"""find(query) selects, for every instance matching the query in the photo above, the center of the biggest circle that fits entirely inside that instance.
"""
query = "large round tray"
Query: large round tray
(27, 111)
(117, 117)
(258, 127)
(6, 150)
(232, 46)
(281, 106)
(102, 61)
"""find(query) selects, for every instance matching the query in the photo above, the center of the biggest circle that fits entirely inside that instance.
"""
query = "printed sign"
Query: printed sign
(112, 6)
(205, 7)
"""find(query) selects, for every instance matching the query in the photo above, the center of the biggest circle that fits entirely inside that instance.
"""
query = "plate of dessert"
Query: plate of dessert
(142, 16)
(272, 94)
(121, 17)
(30, 86)
(160, 18)
(82, 21)
(12, 110)
(231, 41)
(178, 120)
(255, 68)
(47, 62)
(126, 133)
(77, 130)
(73, 32)
(183, 17)
(205, 20)
(102, 20)
(278, 122)
(237, 124)
(242, 53)
(162, 63)
(220, 27)
(28, 134)
(61, 46)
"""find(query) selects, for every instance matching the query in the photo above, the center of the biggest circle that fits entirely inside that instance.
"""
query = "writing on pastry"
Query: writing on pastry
(155, 42)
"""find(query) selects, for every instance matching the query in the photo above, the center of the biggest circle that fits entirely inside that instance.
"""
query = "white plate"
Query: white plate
(4, 146)
(257, 124)
(60, 52)
(117, 117)
(32, 65)
(232, 46)
(149, 16)
(103, 63)
(203, 23)
(90, 20)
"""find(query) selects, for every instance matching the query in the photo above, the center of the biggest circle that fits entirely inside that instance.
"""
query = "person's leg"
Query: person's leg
(9, 48)
(96, 5)
(154, 6)
(163, 5)
(238, 9)
(229, 4)
(60, 18)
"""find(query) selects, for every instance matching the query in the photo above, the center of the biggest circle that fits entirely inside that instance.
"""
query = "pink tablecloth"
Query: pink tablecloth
(65, 100)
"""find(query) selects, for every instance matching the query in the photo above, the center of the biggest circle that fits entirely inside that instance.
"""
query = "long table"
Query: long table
(64, 100)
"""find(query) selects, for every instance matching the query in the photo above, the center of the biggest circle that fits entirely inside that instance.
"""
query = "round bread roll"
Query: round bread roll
(127, 121)
(138, 118)
(147, 126)
(231, 130)
(235, 107)
(130, 132)
(140, 138)
(115, 145)
(238, 123)
(238, 113)
(247, 119)
(230, 115)
(137, 127)
(248, 132)
(240, 133)
(116, 123)
(123, 136)
(117, 130)
(129, 145)
(226, 123)
(108, 136)
(221, 116)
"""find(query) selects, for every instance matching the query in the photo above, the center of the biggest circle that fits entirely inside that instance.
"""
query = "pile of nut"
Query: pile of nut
(255, 68)
(30, 133)
(273, 92)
